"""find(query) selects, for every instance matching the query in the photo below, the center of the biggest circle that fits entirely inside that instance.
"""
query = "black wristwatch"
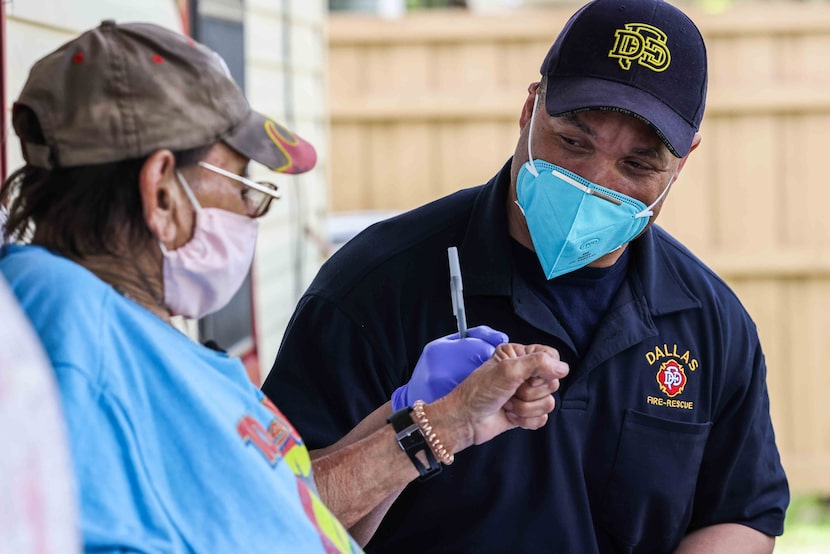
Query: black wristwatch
(412, 441)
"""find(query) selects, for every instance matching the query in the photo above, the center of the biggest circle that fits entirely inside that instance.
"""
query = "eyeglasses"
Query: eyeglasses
(257, 195)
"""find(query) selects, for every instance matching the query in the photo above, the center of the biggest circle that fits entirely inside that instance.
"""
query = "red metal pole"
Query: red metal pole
(3, 129)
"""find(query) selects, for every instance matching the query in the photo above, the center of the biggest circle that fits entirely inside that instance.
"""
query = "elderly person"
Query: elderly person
(135, 205)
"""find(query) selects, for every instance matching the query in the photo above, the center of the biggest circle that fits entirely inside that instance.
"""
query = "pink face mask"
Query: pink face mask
(202, 276)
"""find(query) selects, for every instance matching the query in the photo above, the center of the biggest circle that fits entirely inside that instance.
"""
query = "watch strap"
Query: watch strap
(411, 440)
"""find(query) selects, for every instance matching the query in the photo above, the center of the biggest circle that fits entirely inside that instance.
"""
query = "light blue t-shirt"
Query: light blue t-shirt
(174, 449)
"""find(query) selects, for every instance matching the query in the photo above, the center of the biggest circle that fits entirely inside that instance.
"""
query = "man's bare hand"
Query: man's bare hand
(512, 389)
(535, 388)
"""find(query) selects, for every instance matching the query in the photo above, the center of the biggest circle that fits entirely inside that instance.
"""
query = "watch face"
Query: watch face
(413, 440)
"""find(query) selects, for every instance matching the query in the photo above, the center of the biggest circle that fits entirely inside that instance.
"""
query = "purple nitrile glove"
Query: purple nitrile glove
(445, 362)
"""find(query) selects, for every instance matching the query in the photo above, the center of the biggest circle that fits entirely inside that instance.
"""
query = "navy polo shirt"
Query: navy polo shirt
(662, 426)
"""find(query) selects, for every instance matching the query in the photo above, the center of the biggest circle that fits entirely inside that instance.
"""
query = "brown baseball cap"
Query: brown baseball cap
(122, 91)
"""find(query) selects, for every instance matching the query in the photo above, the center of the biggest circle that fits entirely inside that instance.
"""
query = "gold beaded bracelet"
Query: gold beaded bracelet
(434, 442)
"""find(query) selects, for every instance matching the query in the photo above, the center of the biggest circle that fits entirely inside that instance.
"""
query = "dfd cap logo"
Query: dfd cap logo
(672, 378)
(642, 43)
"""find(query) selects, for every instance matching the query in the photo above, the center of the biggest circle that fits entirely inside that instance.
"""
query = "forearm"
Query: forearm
(728, 538)
(365, 529)
(366, 427)
(356, 478)
(327, 474)
(363, 470)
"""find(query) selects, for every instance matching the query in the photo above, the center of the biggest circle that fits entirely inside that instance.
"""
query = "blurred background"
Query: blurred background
(410, 100)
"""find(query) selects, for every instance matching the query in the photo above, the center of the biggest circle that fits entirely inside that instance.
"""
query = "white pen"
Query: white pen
(456, 289)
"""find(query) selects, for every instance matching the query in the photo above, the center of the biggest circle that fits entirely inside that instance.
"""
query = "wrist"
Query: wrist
(454, 430)
(411, 438)
(432, 438)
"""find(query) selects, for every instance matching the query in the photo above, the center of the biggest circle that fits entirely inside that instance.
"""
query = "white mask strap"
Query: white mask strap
(189, 191)
(530, 165)
(647, 212)
(520, 207)
(192, 197)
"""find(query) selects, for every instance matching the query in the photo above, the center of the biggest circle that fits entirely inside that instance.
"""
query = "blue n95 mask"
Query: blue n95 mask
(572, 221)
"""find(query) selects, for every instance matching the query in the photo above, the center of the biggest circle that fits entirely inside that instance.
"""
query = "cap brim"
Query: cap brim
(568, 95)
(269, 143)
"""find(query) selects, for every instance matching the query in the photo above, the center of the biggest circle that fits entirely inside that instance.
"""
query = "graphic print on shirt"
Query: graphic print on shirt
(671, 363)
(280, 440)
(335, 538)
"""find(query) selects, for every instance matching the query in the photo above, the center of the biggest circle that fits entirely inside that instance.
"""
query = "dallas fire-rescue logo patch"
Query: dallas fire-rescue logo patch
(672, 363)
(672, 378)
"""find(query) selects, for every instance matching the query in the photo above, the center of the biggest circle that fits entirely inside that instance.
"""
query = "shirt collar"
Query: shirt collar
(658, 272)
(486, 262)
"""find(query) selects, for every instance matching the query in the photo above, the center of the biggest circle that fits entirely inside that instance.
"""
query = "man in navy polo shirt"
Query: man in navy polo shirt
(661, 439)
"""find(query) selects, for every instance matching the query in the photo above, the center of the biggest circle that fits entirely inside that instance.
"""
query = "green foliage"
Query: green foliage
(418, 4)
(807, 527)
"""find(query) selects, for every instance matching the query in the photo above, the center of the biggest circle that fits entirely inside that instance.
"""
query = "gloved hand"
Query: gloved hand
(445, 362)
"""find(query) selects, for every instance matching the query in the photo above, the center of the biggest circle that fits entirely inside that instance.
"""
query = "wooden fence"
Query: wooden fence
(429, 104)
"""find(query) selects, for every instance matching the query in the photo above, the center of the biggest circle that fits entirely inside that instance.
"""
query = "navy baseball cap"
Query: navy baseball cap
(644, 58)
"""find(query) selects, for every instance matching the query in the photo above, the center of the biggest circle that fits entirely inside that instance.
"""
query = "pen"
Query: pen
(456, 289)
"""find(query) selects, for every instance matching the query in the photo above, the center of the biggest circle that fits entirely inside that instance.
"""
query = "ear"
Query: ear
(527, 108)
(695, 142)
(160, 195)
